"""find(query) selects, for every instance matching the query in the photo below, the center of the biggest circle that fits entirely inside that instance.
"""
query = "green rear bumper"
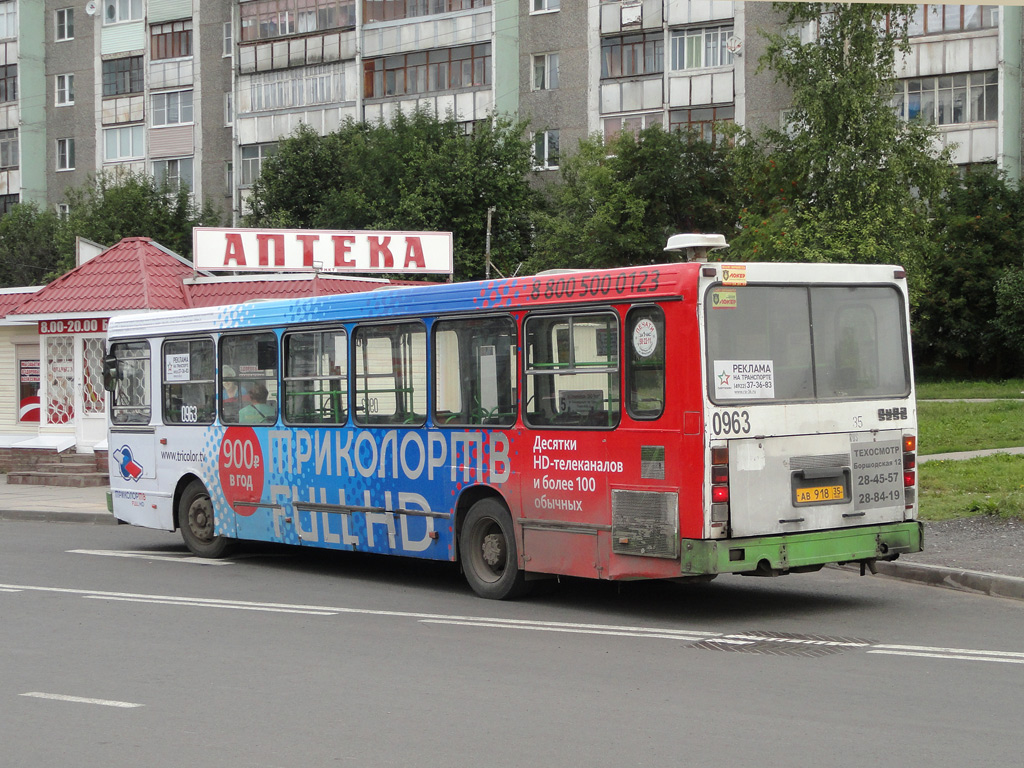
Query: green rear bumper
(800, 550)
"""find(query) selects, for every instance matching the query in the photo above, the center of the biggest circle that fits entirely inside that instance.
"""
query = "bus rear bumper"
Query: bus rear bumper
(772, 555)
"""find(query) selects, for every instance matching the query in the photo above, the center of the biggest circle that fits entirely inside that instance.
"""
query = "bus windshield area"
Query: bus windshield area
(790, 343)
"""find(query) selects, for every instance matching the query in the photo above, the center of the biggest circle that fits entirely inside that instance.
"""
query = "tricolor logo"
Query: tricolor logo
(130, 469)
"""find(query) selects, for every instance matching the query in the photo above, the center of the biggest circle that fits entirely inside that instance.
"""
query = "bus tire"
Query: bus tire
(195, 519)
(488, 552)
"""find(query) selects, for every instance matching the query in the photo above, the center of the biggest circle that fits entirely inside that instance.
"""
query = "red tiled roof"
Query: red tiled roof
(134, 274)
(139, 274)
(10, 300)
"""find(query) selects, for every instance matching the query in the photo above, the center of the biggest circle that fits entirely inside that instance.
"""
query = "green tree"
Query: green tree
(979, 236)
(27, 250)
(417, 172)
(849, 179)
(115, 205)
(616, 204)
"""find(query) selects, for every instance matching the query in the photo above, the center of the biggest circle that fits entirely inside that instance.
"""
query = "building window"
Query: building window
(121, 76)
(285, 90)
(8, 19)
(970, 97)
(115, 11)
(545, 150)
(389, 10)
(632, 55)
(613, 126)
(65, 24)
(229, 42)
(701, 47)
(264, 19)
(174, 173)
(229, 177)
(7, 202)
(544, 5)
(706, 121)
(65, 90)
(170, 41)
(65, 154)
(252, 160)
(9, 83)
(123, 143)
(545, 72)
(172, 108)
(63, 211)
(427, 71)
(229, 108)
(939, 19)
(8, 150)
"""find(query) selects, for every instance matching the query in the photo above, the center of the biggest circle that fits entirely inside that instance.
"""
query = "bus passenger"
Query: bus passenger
(257, 411)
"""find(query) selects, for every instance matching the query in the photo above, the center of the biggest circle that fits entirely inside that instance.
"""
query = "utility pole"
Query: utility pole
(487, 249)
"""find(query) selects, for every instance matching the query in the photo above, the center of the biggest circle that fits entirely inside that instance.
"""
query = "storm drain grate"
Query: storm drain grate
(782, 644)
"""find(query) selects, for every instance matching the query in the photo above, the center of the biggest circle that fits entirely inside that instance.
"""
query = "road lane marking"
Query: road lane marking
(964, 654)
(546, 627)
(81, 700)
(168, 558)
(213, 604)
(684, 635)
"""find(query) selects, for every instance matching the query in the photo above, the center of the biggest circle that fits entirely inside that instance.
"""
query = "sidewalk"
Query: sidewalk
(979, 555)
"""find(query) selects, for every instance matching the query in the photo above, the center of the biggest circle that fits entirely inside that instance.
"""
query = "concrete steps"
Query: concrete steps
(67, 469)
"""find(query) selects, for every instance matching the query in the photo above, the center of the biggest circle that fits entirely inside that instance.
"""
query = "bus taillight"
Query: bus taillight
(909, 465)
(719, 486)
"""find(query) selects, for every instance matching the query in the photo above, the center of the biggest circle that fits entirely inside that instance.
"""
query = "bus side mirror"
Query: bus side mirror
(110, 374)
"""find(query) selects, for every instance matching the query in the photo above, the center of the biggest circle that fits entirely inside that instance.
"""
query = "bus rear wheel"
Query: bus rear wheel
(195, 519)
(487, 549)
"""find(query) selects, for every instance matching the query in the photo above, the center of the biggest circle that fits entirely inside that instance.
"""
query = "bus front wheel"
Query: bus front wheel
(195, 519)
(487, 549)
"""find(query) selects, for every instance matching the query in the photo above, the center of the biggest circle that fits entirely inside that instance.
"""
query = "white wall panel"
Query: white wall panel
(122, 38)
(176, 141)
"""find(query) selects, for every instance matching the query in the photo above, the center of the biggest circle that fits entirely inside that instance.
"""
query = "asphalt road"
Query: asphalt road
(118, 649)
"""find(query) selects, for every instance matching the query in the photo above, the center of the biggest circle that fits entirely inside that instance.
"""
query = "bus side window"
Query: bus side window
(248, 360)
(645, 362)
(315, 382)
(188, 382)
(390, 374)
(475, 372)
(572, 370)
(129, 398)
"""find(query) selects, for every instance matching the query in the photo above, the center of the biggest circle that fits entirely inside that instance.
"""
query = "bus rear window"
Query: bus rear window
(805, 343)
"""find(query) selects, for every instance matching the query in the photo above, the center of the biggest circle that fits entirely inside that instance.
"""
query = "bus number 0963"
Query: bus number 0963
(731, 423)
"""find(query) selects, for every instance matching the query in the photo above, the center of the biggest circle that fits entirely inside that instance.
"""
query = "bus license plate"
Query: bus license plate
(819, 494)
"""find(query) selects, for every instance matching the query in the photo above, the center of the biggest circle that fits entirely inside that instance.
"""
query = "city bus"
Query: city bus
(672, 421)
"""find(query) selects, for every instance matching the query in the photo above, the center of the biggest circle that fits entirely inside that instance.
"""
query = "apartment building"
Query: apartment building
(201, 92)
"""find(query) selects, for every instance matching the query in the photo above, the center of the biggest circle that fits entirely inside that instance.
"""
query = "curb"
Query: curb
(41, 516)
(977, 582)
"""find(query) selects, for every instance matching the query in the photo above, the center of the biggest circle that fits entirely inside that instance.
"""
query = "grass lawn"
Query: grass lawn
(990, 485)
(931, 390)
(945, 427)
